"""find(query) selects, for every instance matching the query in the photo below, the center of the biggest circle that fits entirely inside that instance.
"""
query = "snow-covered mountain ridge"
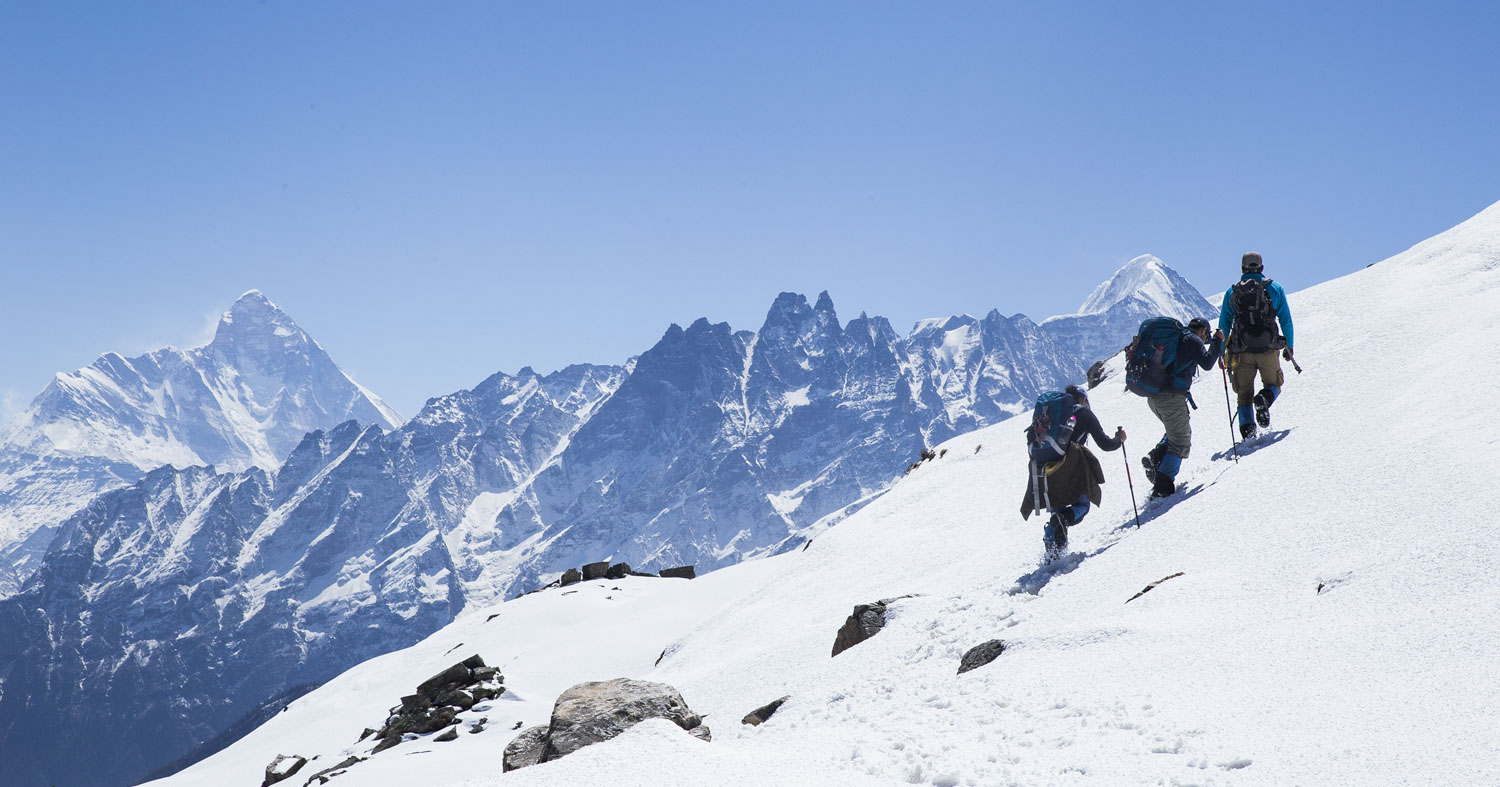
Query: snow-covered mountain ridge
(1325, 624)
(712, 447)
(1145, 287)
(244, 399)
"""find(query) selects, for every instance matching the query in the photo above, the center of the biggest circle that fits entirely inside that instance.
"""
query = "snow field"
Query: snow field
(1240, 671)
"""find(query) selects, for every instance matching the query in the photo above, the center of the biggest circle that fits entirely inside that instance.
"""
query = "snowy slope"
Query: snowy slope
(1333, 622)
(243, 400)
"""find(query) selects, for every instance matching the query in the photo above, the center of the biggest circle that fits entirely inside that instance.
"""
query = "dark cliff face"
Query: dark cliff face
(168, 610)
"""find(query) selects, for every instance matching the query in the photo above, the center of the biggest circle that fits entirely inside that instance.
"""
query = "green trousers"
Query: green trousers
(1172, 410)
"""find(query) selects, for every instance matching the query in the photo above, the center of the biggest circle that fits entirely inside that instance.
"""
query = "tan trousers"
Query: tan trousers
(1242, 370)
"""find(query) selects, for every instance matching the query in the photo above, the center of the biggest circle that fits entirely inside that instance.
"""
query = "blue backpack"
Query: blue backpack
(1151, 364)
(1052, 424)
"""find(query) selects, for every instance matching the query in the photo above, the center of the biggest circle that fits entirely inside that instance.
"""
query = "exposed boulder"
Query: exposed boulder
(595, 570)
(980, 655)
(526, 749)
(1096, 374)
(282, 768)
(593, 712)
(450, 735)
(680, 572)
(618, 571)
(570, 577)
(866, 622)
(758, 716)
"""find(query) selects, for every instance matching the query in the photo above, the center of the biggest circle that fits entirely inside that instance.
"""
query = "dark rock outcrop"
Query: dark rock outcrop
(680, 572)
(595, 570)
(758, 716)
(618, 571)
(1096, 374)
(866, 622)
(980, 655)
(593, 712)
(283, 767)
(570, 577)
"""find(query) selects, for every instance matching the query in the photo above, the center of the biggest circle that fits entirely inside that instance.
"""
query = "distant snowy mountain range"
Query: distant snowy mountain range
(245, 399)
(320, 539)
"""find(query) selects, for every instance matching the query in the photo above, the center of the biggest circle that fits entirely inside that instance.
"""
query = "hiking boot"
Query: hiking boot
(1055, 538)
(1162, 486)
(1247, 431)
(1152, 460)
(1262, 410)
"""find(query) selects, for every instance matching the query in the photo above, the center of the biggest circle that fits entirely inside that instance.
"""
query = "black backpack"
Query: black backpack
(1254, 328)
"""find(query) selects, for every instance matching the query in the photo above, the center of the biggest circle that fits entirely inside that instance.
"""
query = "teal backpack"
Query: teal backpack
(1151, 364)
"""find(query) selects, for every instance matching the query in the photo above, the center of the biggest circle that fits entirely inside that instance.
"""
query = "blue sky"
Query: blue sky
(438, 191)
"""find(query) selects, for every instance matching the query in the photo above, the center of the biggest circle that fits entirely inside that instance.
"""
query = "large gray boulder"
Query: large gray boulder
(593, 712)
(283, 767)
(527, 748)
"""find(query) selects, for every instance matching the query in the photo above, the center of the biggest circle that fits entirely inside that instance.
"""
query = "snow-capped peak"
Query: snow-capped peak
(1145, 276)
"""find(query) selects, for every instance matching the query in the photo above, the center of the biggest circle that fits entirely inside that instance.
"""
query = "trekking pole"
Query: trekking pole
(1126, 456)
(1230, 411)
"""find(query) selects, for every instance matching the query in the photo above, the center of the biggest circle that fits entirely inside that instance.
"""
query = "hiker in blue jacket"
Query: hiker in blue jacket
(1044, 451)
(1249, 315)
(1171, 408)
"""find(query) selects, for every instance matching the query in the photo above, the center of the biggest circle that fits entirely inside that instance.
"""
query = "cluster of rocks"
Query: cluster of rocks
(927, 455)
(605, 570)
(593, 712)
(438, 701)
(286, 766)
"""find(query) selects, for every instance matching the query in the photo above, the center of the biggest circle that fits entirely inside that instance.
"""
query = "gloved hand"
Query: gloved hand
(1287, 353)
(1120, 434)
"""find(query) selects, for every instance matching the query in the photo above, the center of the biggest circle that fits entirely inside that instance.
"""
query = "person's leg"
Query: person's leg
(1242, 380)
(1172, 409)
(1271, 379)
(1055, 534)
(1076, 512)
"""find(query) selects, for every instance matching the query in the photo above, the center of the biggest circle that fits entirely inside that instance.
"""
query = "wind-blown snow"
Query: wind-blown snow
(1333, 621)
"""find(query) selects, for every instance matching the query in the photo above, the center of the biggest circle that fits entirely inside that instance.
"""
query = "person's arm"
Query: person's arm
(1283, 313)
(1203, 356)
(1226, 314)
(1089, 423)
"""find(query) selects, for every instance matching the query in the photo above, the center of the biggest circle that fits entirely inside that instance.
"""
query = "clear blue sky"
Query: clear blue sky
(438, 191)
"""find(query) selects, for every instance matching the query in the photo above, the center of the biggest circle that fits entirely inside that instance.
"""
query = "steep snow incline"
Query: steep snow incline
(1329, 620)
